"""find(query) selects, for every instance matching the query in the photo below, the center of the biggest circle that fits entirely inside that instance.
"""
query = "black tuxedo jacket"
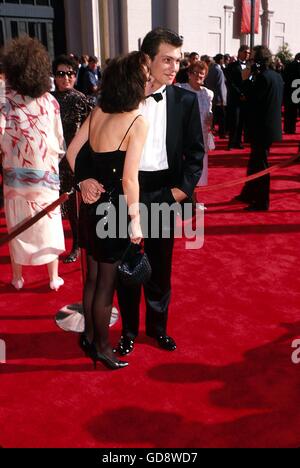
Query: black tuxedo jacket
(234, 82)
(185, 147)
(290, 73)
(264, 108)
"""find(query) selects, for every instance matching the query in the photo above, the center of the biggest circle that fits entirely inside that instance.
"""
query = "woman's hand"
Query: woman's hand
(91, 191)
(136, 235)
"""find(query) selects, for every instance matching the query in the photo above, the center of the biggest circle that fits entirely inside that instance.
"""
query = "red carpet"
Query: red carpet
(234, 314)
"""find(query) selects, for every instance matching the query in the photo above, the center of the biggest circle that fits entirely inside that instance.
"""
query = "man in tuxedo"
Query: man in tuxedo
(264, 101)
(171, 166)
(215, 81)
(291, 109)
(236, 98)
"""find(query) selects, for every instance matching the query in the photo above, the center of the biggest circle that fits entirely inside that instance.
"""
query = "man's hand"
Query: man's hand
(91, 191)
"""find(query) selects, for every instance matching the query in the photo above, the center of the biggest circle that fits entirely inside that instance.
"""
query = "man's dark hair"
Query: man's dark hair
(93, 59)
(64, 60)
(243, 48)
(297, 57)
(218, 58)
(158, 36)
(27, 66)
(262, 56)
(123, 83)
(193, 54)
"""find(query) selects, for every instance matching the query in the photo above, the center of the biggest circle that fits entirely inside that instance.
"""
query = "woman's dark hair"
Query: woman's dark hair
(64, 60)
(27, 66)
(159, 36)
(123, 83)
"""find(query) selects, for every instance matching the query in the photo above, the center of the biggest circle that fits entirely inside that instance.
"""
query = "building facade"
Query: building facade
(108, 27)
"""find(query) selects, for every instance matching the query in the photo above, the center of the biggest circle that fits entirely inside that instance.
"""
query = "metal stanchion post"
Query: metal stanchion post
(71, 318)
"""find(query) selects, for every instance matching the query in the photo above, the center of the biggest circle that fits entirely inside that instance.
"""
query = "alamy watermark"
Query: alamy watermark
(296, 354)
(161, 220)
(296, 93)
(2, 352)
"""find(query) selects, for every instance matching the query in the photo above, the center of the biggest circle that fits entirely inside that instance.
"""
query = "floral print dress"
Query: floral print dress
(31, 140)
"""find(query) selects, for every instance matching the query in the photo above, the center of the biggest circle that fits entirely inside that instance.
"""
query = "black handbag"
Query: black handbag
(135, 267)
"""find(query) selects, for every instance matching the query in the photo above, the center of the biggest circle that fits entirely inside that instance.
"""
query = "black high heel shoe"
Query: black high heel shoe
(106, 361)
(85, 345)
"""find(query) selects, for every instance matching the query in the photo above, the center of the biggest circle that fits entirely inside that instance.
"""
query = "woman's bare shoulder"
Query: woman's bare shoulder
(141, 123)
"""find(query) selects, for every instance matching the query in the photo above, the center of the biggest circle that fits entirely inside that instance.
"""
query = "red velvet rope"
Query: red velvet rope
(23, 227)
(242, 180)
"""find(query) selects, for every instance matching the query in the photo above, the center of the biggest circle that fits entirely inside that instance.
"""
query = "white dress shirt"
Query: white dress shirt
(243, 65)
(154, 156)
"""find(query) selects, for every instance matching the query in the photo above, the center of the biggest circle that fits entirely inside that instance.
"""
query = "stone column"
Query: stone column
(90, 18)
(228, 26)
(267, 27)
(104, 30)
(73, 27)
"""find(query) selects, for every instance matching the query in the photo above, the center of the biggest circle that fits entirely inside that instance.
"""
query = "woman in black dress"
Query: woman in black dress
(112, 138)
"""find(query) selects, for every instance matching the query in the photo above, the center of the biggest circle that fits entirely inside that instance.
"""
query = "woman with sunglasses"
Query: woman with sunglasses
(74, 108)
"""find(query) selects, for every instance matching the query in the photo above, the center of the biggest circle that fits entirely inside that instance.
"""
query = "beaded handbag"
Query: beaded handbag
(135, 267)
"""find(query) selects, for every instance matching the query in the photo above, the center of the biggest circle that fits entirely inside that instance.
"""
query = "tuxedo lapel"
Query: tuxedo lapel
(173, 119)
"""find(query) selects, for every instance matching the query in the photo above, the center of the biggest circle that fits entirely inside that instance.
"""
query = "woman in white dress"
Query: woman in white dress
(197, 73)
(31, 140)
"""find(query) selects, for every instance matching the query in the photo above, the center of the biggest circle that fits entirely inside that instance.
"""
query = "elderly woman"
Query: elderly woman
(197, 73)
(31, 140)
(74, 109)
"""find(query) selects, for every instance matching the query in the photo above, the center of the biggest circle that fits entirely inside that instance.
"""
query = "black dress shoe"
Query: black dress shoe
(125, 346)
(72, 257)
(240, 147)
(166, 342)
(254, 207)
(241, 198)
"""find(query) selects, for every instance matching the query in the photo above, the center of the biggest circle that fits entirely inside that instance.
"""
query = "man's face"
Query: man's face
(93, 66)
(245, 55)
(165, 65)
(194, 58)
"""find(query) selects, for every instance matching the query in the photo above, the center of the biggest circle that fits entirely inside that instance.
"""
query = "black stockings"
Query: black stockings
(97, 302)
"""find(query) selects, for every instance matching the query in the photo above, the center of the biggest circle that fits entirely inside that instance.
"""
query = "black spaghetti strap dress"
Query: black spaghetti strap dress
(104, 224)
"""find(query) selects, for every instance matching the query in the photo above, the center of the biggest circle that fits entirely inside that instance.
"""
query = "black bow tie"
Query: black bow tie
(157, 96)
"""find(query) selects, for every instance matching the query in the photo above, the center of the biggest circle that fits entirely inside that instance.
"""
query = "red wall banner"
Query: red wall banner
(246, 16)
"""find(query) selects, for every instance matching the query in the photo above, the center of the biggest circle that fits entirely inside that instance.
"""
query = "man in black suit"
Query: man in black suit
(236, 98)
(171, 166)
(215, 81)
(264, 101)
(291, 109)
